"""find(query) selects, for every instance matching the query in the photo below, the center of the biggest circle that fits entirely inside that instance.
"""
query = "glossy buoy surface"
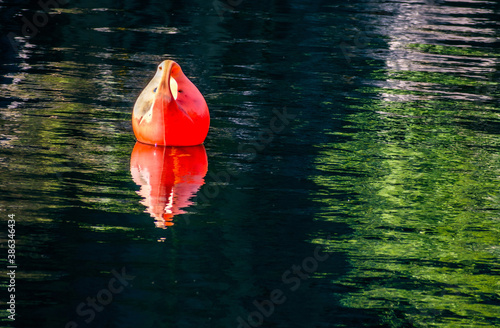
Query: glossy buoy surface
(170, 111)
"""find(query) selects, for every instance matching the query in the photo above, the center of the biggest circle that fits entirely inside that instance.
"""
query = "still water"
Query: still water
(350, 177)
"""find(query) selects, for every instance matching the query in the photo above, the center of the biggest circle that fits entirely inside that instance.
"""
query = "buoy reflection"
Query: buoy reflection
(168, 178)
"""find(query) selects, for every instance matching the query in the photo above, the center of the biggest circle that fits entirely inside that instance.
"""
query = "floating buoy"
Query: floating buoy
(170, 111)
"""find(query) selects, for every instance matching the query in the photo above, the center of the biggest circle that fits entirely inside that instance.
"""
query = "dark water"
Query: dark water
(353, 165)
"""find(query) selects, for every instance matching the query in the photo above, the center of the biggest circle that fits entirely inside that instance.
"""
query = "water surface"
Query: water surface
(353, 165)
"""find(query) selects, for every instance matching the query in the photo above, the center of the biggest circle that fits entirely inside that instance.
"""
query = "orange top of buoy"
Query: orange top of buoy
(170, 111)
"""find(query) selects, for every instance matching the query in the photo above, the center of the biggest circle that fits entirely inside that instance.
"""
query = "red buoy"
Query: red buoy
(170, 111)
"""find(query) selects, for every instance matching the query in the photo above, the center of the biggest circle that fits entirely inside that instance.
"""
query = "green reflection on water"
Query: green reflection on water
(450, 50)
(418, 182)
(73, 150)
